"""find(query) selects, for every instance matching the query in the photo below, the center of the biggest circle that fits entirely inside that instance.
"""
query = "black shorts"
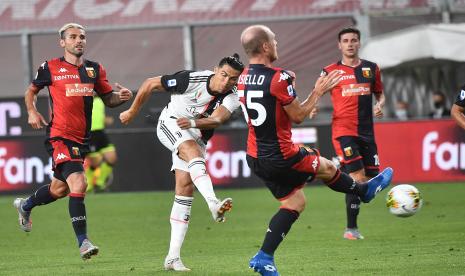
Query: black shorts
(356, 153)
(65, 151)
(283, 177)
(98, 140)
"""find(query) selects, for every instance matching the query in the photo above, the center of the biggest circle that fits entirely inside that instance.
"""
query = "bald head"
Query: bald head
(253, 38)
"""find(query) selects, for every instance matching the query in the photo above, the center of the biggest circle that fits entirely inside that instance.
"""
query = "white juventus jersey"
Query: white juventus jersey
(192, 97)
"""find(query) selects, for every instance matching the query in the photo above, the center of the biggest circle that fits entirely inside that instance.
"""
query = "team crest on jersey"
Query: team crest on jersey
(366, 72)
(348, 151)
(91, 72)
(75, 151)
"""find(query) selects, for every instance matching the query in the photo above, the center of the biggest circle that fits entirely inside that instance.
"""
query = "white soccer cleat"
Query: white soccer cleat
(24, 218)
(220, 208)
(87, 249)
(175, 264)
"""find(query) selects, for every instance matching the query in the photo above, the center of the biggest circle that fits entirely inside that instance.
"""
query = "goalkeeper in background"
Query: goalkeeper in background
(102, 156)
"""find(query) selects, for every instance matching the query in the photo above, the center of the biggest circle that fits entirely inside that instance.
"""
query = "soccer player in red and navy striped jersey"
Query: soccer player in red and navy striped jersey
(270, 106)
(352, 125)
(71, 81)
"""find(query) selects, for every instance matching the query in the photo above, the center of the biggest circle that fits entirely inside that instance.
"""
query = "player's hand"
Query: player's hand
(314, 112)
(36, 120)
(184, 123)
(124, 93)
(127, 116)
(378, 111)
(327, 82)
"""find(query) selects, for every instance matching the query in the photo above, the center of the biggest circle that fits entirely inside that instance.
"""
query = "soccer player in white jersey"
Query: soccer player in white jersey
(196, 94)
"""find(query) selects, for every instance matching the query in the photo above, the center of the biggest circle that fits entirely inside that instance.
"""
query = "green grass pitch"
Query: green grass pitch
(132, 231)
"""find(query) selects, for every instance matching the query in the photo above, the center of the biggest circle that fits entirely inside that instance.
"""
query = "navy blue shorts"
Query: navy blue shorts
(356, 153)
(283, 177)
(67, 156)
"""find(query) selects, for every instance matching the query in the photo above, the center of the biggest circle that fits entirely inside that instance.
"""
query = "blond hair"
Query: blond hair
(63, 29)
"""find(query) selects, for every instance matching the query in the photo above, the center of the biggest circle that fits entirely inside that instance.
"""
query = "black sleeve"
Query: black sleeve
(177, 82)
(43, 76)
(460, 101)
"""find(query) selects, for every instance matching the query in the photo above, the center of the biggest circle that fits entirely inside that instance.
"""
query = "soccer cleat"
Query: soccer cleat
(87, 249)
(25, 222)
(377, 184)
(220, 208)
(264, 264)
(175, 264)
(352, 234)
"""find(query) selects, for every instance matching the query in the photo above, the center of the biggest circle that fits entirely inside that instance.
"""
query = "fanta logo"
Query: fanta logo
(446, 155)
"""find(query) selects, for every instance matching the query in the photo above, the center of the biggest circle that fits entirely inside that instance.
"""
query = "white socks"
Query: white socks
(198, 171)
(179, 220)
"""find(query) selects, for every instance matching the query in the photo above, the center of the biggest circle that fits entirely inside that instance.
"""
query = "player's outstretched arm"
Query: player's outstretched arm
(143, 94)
(35, 119)
(297, 111)
(218, 117)
(457, 112)
(117, 98)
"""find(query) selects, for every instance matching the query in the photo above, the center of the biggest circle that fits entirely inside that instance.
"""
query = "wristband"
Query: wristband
(193, 123)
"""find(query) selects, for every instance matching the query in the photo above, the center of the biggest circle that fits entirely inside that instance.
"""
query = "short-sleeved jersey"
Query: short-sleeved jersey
(460, 100)
(263, 92)
(352, 98)
(71, 90)
(192, 97)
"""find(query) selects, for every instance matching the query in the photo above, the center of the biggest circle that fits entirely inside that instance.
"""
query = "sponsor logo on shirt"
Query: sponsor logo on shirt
(356, 89)
(62, 70)
(171, 83)
(462, 95)
(91, 72)
(65, 77)
(347, 77)
(366, 72)
(79, 89)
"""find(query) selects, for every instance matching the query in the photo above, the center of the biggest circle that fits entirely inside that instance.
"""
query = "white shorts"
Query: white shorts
(171, 136)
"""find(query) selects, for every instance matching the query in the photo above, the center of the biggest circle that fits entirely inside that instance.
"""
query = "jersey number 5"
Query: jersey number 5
(249, 104)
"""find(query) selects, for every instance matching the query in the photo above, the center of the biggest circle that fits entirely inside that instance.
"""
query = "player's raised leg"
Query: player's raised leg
(191, 152)
(42, 196)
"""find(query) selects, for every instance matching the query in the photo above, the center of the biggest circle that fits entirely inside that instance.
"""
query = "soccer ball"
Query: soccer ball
(404, 200)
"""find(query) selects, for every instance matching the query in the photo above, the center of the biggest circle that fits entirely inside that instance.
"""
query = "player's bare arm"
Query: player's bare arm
(116, 98)
(298, 111)
(35, 119)
(457, 112)
(378, 108)
(218, 117)
(143, 94)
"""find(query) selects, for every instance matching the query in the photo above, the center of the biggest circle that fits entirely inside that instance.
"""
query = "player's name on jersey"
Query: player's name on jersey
(251, 79)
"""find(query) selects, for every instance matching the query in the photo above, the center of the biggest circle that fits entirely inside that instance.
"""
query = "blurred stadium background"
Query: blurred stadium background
(417, 43)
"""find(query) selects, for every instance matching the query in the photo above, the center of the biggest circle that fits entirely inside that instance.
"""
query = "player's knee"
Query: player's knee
(189, 150)
(327, 169)
(185, 190)
(58, 189)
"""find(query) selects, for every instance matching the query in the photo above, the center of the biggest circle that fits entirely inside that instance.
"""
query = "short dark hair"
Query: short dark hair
(232, 61)
(349, 30)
